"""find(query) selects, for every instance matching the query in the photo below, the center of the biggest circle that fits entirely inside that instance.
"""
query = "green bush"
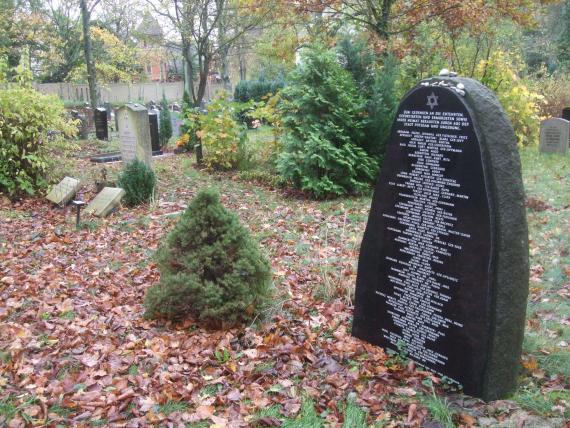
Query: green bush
(33, 132)
(221, 136)
(138, 181)
(165, 123)
(324, 118)
(256, 90)
(210, 268)
(378, 84)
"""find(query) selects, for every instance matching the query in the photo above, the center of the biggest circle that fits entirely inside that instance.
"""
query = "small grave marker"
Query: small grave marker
(105, 202)
(134, 133)
(443, 268)
(64, 191)
(554, 135)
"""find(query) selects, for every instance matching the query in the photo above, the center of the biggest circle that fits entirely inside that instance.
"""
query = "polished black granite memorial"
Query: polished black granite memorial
(101, 124)
(154, 134)
(443, 268)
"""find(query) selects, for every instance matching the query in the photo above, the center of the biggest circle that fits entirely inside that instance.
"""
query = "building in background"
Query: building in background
(154, 53)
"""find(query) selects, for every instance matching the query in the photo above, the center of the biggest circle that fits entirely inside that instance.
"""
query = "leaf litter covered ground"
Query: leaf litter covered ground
(75, 351)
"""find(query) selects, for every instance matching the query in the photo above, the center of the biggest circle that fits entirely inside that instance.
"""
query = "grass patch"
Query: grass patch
(354, 416)
(171, 407)
(439, 409)
(547, 404)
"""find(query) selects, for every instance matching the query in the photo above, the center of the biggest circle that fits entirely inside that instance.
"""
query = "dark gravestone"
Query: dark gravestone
(443, 268)
(101, 128)
(108, 109)
(154, 137)
(81, 121)
(566, 113)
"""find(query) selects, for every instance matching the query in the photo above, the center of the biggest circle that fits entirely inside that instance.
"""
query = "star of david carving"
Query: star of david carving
(432, 101)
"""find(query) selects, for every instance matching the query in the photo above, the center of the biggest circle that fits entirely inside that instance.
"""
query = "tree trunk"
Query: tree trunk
(187, 67)
(91, 76)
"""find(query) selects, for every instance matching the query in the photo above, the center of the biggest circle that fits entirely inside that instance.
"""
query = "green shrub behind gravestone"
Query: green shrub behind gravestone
(138, 181)
(324, 118)
(210, 268)
(165, 123)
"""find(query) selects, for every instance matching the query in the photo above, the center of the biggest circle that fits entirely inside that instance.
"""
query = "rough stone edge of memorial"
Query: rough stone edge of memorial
(510, 275)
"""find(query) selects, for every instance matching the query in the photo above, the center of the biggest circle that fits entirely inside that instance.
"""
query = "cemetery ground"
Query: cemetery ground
(75, 350)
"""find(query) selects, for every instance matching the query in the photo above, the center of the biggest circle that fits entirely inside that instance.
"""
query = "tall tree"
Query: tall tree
(86, 11)
(208, 29)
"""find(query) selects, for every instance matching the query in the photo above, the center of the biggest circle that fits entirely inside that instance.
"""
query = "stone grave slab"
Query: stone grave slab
(105, 201)
(554, 135)
(443, 267)
(154, 134)
(176, 121)
(106, 157)
(64, 191)
(134, 133)
(101, 124)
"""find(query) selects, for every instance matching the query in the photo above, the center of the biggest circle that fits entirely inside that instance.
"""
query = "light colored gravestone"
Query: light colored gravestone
(105, 202)
(554, 135)
(134, 133)
(64, 191)
(176, 121)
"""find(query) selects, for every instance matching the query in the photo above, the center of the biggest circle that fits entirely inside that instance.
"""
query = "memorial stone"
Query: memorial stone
(154, 136)
(443, 268)
(116, 115)
(108, 109)
(82, 129)
(554, 135)
(64, 191)
(105, 201)
(101, 127)
(176, 121)
(566, 113)
(134, 133)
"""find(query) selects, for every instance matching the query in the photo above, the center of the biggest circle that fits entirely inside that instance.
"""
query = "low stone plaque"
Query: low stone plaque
(105, 202)
(134, 133)
(554, 135)
(64, 191)
(443, 268)
(101, 124)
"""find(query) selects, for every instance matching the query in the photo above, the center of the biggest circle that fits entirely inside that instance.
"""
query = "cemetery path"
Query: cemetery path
(75, 350)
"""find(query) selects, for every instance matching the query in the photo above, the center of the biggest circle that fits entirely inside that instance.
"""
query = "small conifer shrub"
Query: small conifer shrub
(138, 181)
(165, 123)
(210, 268)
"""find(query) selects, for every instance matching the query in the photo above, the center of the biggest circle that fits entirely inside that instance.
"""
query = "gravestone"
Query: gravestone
(116, 115)
(154, 136)
(176, 121)
(566, 113)
(64, 191)
(134, 133)
(108, 109)
(82, 129)
(554, 135)
(443, 268)
(101, 127)
(105, 201)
